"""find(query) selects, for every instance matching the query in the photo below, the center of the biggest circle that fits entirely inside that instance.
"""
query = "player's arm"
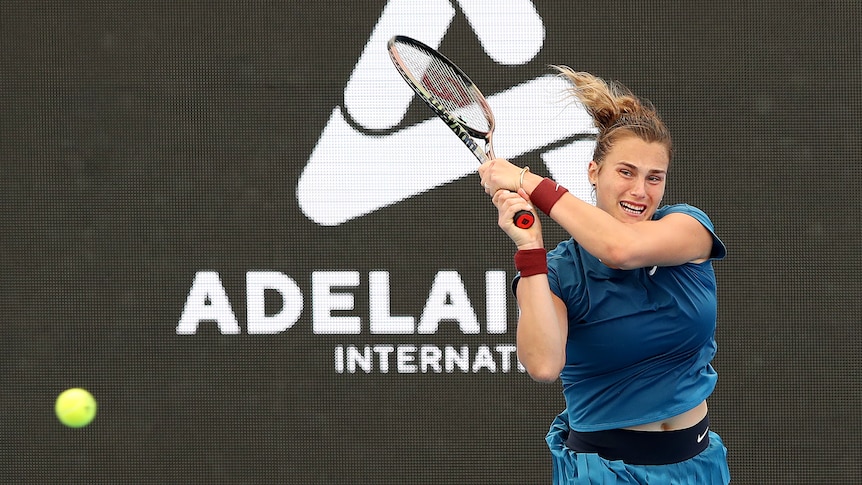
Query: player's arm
(672, 240)
(542, 329)
(543, 322)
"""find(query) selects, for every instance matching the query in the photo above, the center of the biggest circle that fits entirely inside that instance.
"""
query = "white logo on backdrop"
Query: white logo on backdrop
(363, 162)
(351, 173)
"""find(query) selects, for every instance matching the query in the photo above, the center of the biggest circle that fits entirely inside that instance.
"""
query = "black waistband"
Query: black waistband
(643, 447)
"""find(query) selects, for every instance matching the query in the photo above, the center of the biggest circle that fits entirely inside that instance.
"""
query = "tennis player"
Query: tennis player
(624, 312)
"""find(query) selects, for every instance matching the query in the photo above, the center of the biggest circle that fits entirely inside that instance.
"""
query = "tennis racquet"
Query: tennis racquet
(452, 96)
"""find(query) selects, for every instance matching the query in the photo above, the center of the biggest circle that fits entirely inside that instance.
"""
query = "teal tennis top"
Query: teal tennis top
(640, 341)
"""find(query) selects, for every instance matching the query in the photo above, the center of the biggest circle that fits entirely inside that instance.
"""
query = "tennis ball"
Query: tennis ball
(75, 407)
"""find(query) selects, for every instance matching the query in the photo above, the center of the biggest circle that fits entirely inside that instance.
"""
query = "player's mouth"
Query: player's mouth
(633, 209)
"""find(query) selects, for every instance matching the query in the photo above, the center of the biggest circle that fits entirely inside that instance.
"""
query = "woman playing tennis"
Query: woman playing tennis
(623, 312)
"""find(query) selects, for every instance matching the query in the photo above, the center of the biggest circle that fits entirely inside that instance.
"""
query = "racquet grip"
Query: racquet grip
(524, 219)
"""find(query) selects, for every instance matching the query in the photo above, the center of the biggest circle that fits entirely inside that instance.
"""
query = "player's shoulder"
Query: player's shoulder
(677, 208)
(718, 250)
(686, 209)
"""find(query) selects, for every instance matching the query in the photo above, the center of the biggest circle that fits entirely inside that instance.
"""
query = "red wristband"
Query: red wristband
(546, 194)
(531, 262)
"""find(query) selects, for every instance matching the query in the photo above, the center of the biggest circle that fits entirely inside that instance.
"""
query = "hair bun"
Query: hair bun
(614, 107)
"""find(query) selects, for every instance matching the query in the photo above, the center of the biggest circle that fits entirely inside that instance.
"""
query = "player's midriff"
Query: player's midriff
(680, 421)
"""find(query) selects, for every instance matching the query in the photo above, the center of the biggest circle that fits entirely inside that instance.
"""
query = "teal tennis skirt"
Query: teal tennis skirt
(571, 468)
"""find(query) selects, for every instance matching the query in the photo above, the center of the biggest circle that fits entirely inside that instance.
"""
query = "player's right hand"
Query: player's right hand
(510, 203)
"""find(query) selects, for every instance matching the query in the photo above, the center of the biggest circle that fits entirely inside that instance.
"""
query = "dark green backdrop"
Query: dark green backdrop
(143, 142)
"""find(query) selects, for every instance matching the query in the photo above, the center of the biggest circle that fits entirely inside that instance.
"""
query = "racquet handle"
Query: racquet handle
(524, 219)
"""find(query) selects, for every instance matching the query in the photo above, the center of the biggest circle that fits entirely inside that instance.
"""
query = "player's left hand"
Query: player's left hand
(499, 174)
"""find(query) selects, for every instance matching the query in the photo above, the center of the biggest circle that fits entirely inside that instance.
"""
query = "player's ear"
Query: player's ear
(593, 172)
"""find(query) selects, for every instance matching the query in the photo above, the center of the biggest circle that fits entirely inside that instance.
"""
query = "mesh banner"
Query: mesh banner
(233, 224)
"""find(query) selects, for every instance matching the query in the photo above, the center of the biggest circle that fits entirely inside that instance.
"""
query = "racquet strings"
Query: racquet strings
(457, 95)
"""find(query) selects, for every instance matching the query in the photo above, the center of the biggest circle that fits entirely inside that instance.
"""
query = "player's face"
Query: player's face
(630, 181)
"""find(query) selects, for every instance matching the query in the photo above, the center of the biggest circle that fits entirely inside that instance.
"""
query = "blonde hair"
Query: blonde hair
(616, 112)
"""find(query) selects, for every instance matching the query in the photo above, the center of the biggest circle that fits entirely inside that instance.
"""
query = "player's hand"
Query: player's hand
(510, 203)
(499, 174)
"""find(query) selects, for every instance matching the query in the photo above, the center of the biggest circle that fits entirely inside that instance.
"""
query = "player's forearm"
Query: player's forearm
(541, 340)
(595, 230)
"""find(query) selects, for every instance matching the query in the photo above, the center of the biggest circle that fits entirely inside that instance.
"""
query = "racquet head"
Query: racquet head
(452, 96)
(447, 90)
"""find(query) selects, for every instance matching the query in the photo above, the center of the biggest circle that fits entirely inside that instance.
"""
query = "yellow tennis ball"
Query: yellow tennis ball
(75, 407)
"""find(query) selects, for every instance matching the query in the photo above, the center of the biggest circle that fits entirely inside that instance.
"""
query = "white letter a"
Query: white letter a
(207, 300)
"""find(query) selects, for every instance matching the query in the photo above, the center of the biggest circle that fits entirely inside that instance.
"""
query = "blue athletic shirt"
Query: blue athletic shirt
(639, 344)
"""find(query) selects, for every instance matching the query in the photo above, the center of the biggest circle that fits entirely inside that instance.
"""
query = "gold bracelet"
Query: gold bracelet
(521, 178)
